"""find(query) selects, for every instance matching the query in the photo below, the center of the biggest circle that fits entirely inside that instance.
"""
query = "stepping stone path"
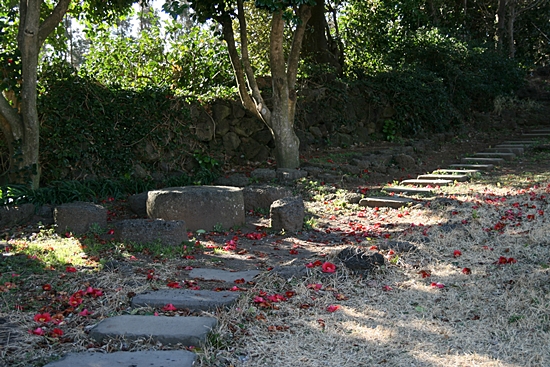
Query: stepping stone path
(193, 330)
(458, 172)
(187, 331)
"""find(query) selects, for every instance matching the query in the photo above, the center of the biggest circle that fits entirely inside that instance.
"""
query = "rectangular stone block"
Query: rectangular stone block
(148, 358)
(390, 202)
(408, 190)
(426, 182)
(185, 298)
(505, 156)
(143, 231)
(467, 172)
(479, 167)
(450, 177)
(481, 160)
(189, 331)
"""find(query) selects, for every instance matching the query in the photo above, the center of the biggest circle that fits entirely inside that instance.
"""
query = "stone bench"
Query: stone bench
(201, 207)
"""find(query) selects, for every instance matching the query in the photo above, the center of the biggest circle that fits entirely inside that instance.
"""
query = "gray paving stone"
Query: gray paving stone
(185, 298)
(156, 358)
(456, 171)
(516, 149)
(223, 275)
(480, 167)
(520, 142)
(542, 135)
(482, 160)
(426, 182)
(166, 330)
(390, 202)
(505, 156)
(409, 190)
(459, 178)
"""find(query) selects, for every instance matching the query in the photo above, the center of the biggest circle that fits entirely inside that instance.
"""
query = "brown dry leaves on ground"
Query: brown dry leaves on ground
(475, 290)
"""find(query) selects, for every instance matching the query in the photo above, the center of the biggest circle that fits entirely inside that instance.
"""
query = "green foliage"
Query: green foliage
(10, 55)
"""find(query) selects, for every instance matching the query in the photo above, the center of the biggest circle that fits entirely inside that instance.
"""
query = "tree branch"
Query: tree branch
(11, 116)
(52, 20)
(252, 84)
(22, 17)
(229, 37)
(304, 13)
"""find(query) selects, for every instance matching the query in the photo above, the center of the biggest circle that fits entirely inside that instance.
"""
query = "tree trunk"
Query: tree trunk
(511, 20)
(21, 126)
(501, 24)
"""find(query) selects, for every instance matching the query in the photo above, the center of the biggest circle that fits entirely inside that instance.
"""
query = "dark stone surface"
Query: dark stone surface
(79, 217)
(287, 214)
(360, 261)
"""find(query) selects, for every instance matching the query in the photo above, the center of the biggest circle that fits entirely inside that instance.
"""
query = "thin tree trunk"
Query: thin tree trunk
(511, 20)
(501, 24)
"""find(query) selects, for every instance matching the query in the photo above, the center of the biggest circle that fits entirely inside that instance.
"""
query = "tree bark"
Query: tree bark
(501, 24)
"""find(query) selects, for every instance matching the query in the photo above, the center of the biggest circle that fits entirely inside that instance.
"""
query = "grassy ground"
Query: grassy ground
(475, 291)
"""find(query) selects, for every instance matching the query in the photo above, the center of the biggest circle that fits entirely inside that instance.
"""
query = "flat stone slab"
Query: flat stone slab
(408, 189)
(185, 298)
(189, 331)
(478, 167)
(456, 171)
(482, 160)
(459, 178)
(390, 202)
(536, 135)
(515, 149)
(149, 358)
(505, 156)
(223, 275)
(426, 182)
(147, 231)
(520, 142)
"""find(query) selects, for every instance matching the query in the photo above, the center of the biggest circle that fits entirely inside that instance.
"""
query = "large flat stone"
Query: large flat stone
(515, 149)
(223, 275)
(481, 160)
(167, 330)
(149, 358)
(519, 142)
(541, 135)
(185, 298)
(201, 207)
(456, 171)
(146, 231)
(458, 178)
(478, 167)
(426, 182)
(408, 190)
(505, 156)
(390, 202)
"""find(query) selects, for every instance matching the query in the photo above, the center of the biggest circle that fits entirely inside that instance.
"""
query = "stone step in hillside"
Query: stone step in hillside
(450, 177)
(149, 358)
(432, 183)
(477, 167)
(468, 172)
(481, 160)
(202, 300)
(189, 331)
(536, 136)
(505, 156)
(516, 149)
(519, 142)
(408, 190)
(387, 202)
(223, 275)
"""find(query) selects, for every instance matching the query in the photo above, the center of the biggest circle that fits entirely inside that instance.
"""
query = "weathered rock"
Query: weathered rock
(144, 231)
(263, 174)
(288, 214)
(288, 175)
(223, 275)
(262, 196)
(237, 179)
(15, 214)
(316, 132)
(353, 198)
(405, 161)
(202, 300)
(231, 141)
(148, 358)
(360, 261)
(221, 111)
(79, 217)
(201, 207)
(138, 204)
(204, 130)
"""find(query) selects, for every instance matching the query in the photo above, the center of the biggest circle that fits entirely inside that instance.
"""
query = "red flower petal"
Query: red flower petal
(332, 308)
(328, 267)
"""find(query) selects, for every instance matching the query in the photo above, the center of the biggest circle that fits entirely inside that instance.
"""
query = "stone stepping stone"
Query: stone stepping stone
(482, 160)
(389, 202)
(223, 275)
(189, 331)
(426, 182)
(516, 149)
(477, 167)
(536, 135)
(185, 298)
(408, 190)
(459, 178)
(518, 142)
(149, 358)
(456, 171)
(505, 156)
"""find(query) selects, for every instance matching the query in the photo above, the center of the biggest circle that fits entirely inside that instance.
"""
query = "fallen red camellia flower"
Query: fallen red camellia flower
(332, 308)
(169, 307)
(173, 285)
(424, 273)
(457, 253)
(328, 267)
(56, 332)
(47, 287)
(438, 285)
(70, 269)
(466, 271)
(37, 331)
(42, 317)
